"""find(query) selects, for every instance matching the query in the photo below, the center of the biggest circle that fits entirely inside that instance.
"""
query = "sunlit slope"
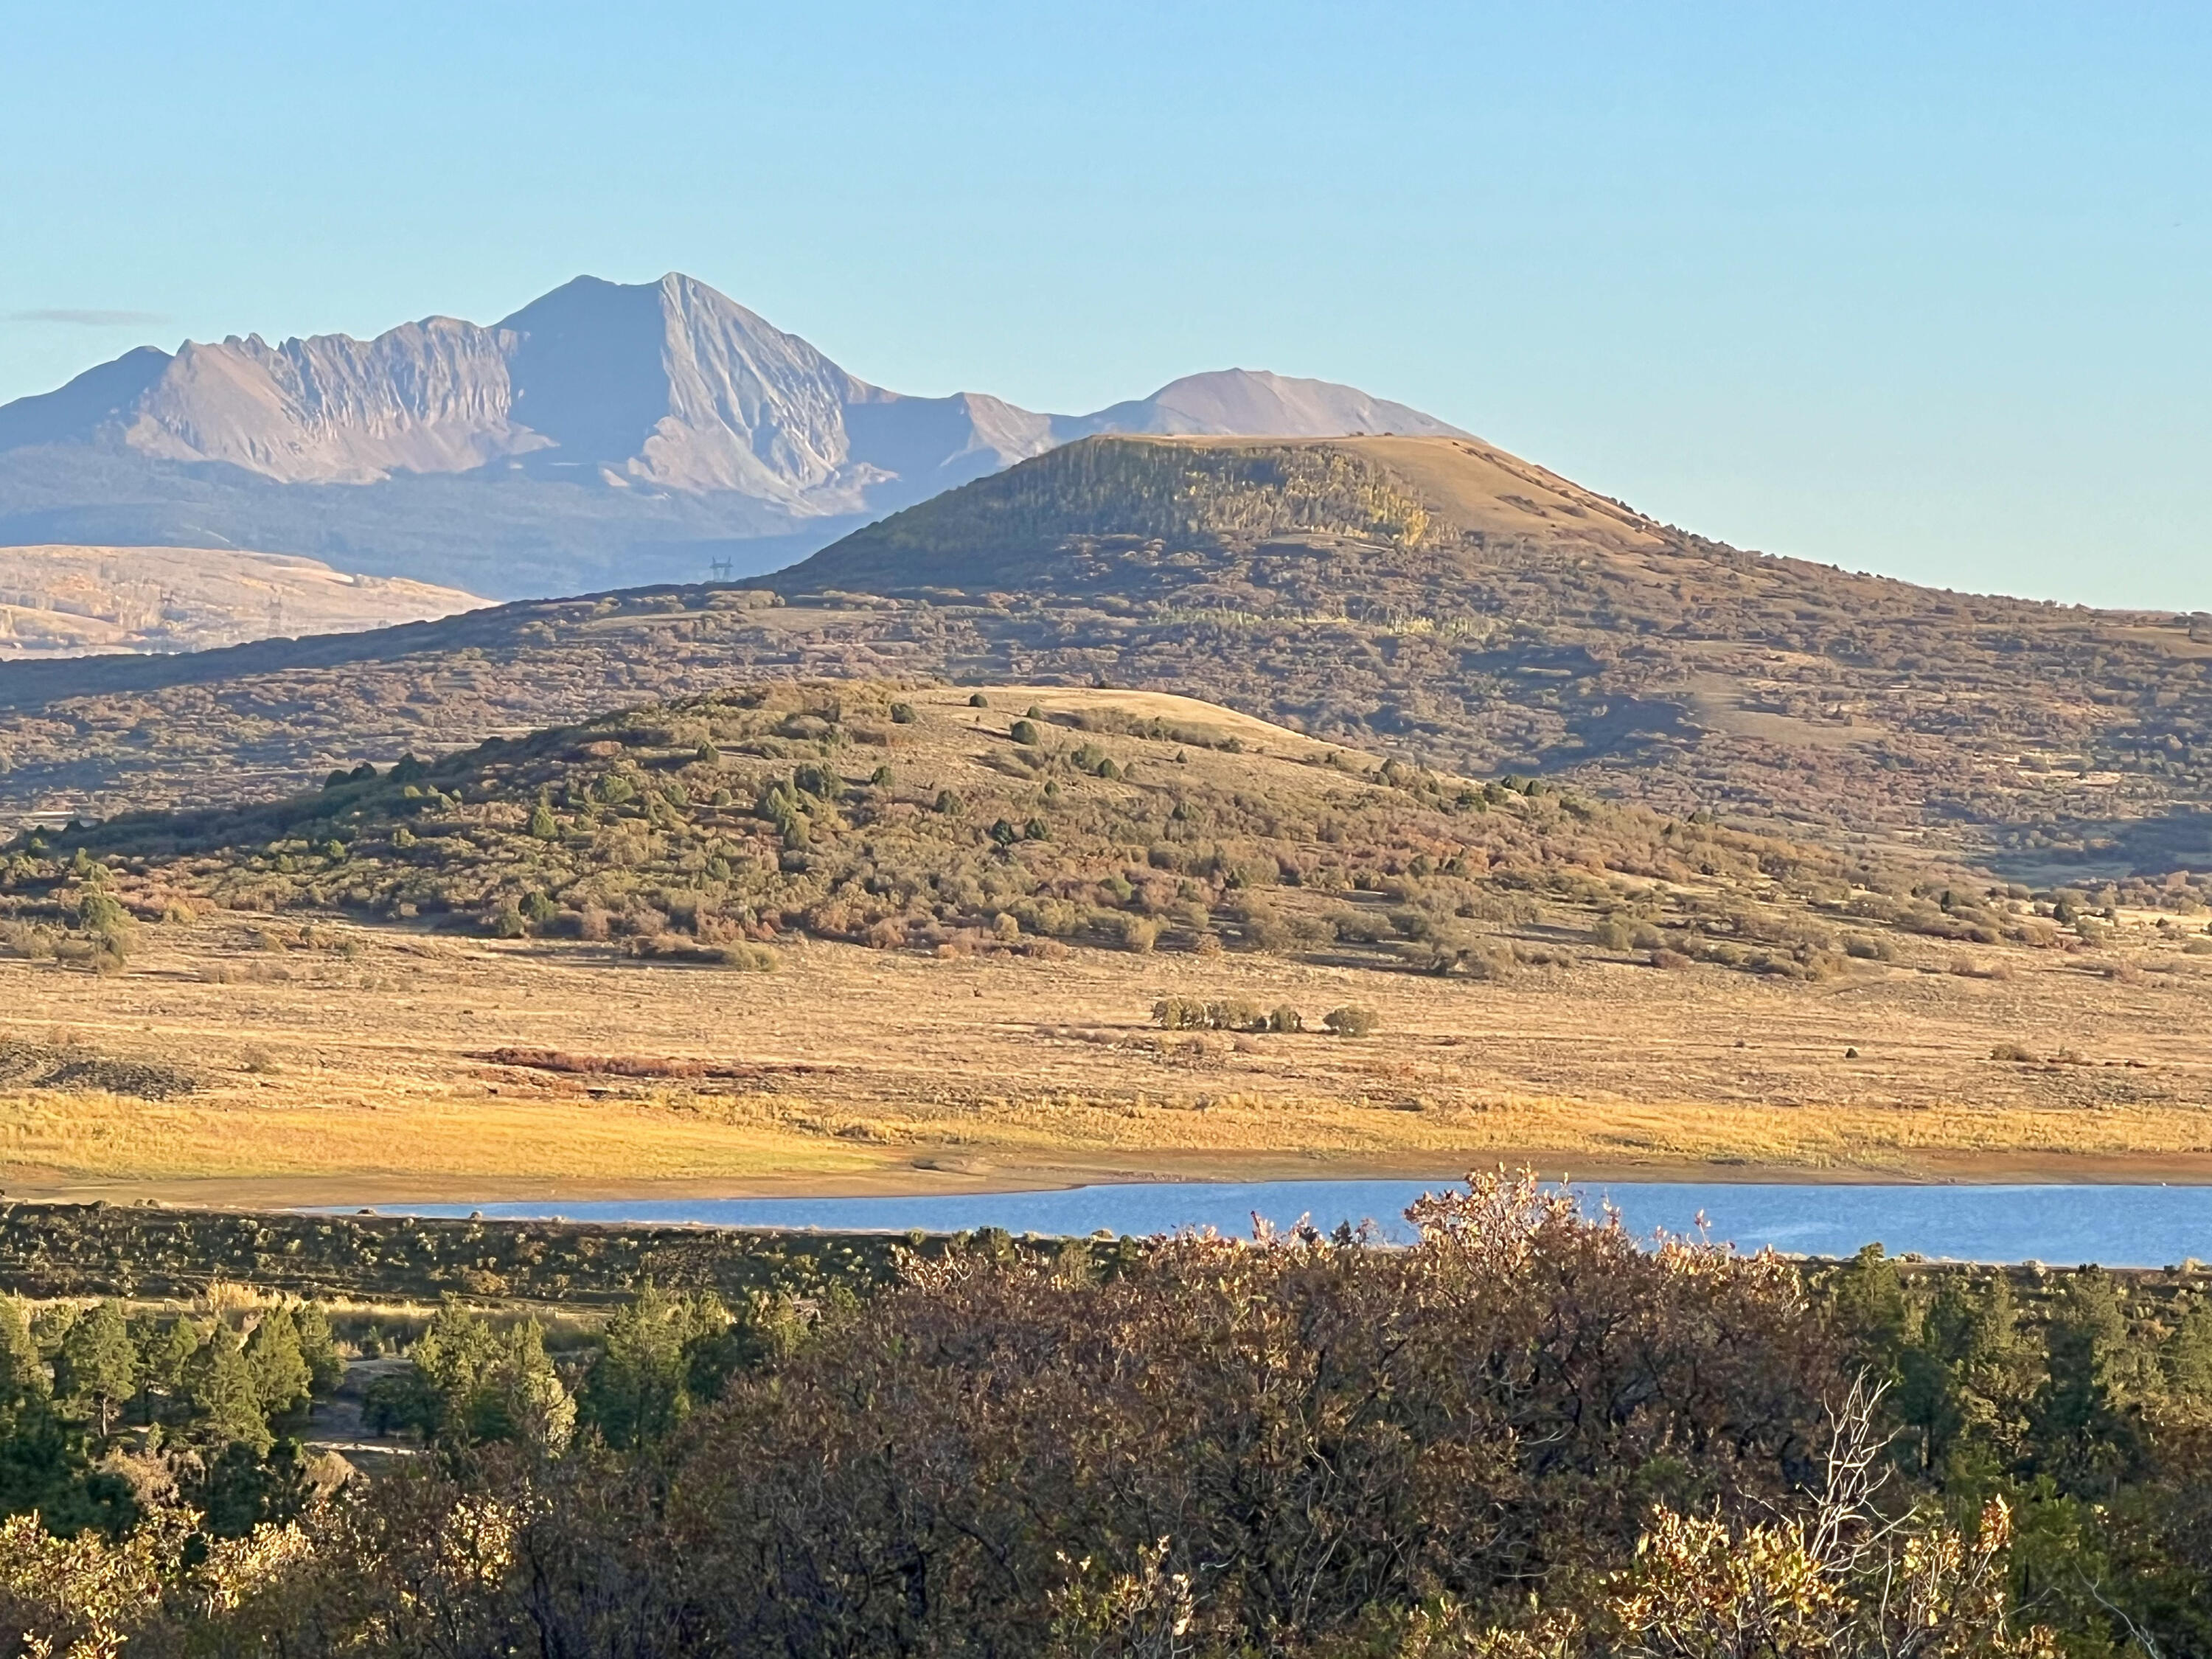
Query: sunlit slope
(72, 600)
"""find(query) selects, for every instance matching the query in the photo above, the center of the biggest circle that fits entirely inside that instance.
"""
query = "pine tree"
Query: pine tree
(99, 1366)
(165, 1354)
(221, 1386)
(493, 1385)
(640, 1386)
(325, 1371)
(281, 1379)
(23, 1382)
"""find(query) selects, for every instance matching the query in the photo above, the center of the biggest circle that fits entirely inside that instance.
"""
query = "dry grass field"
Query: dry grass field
(68, 601)
(362, 1070)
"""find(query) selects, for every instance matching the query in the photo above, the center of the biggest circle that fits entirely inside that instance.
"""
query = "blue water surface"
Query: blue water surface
(2063, 1225)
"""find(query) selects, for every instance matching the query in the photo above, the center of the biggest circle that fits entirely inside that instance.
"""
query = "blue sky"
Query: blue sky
(1910, 289)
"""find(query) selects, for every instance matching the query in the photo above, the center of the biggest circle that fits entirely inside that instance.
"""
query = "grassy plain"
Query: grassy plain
(335, 1077)
(68, 601)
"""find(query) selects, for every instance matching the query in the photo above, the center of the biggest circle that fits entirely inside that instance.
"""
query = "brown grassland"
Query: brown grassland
(312, 1001)
(336, 1079)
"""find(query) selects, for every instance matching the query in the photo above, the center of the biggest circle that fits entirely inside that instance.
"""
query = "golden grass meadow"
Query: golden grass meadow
(329, 1077)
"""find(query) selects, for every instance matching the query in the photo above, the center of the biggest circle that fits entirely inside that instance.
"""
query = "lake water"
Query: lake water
(2116, 1226)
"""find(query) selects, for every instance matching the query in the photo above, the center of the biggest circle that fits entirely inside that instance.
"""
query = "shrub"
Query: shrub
(1024, 732)
(2013, 1054)
(1138, 934)
(1179, 1014)
(977, 700)
(1360, 926)
(1286, 1019)
(1351, 1020)
(901, 714)
(1612, 934)
(747, 957)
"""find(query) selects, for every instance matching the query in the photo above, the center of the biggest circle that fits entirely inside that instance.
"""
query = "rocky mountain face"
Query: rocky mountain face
(603, 432)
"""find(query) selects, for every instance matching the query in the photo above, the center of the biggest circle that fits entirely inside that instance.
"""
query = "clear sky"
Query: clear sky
(1915, 289)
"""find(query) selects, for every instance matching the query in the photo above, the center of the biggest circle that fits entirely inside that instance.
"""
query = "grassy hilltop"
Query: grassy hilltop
(897, 817)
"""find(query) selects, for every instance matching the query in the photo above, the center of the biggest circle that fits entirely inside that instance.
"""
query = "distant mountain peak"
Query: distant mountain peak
(1255, 403)
(668, 387)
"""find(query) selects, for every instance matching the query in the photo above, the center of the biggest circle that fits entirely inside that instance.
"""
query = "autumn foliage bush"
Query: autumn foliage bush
(1526, 1436)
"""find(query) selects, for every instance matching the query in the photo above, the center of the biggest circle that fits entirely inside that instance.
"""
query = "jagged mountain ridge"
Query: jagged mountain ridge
(717, 429)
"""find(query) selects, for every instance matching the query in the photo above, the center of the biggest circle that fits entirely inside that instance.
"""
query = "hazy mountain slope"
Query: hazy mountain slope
(428, 396)
(605, 432)
(677, 385)
(1433, 598)
(101, 399)
(501, 532)
(68, 601)
(1252, 401)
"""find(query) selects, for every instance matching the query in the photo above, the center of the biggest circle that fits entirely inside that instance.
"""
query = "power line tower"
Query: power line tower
(719, 570)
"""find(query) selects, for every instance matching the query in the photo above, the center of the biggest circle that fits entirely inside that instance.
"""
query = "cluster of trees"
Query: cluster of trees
(474, 1381)
(2085, 1397)
(697, 830)
(1239, 1014)
(197, 1403)
(1525, 1435)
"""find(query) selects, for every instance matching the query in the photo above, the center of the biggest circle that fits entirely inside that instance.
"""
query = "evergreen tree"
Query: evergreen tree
(2081, 1433)
(166, 1348)
(23, 1380)
(99, 1366)
(42, 1461)
(2186, 1356)
(325, 1371)
(641, 1384)
(491, 1384)
(1869, 1301)
(281, 1379)
(221, 1386)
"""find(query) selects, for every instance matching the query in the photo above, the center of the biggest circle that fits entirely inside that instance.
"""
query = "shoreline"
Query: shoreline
(953, 1175)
